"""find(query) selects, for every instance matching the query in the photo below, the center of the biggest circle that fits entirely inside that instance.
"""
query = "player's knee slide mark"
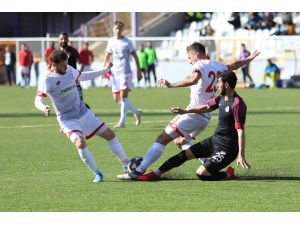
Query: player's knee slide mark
(214, 177)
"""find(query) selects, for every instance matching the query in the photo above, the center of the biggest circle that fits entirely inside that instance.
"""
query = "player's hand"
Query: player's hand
(243, 163)
(163, 82)
(108, 64)
(47, 110)
(178, 110)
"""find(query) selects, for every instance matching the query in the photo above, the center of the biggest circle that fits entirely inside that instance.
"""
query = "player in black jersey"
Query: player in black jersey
(73, 58)
(227, 143)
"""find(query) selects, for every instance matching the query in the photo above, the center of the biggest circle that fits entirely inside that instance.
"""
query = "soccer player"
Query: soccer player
(227, 143)
(120, 48)
(75, 119)
(202, 81)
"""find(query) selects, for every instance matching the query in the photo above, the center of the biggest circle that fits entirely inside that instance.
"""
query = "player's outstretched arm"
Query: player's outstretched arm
(94, 74)
(189, 81)
(39, 104)
(199, 109)
(241, 161)
(239, 63)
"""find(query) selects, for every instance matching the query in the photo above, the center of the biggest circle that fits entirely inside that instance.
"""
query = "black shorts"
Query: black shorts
(218, 156)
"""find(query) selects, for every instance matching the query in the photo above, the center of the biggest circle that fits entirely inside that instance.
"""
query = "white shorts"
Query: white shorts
(121, 82)
(24, 69)
(187, 125)
(87, 125)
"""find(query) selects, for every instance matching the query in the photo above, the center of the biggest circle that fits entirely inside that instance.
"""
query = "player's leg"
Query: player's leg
(73, 131)
(211, 170)
(115, 146)
(202, 148)
(93, 125)
(137, 113)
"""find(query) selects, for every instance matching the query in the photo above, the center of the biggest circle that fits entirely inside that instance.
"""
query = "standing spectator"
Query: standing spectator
(267, 21)
(272, 71)
(235, 20)
(245, 69)
(25, 62)
(48, 52)
(2, 74)
(87, 57)
(36, 60)
(31, 63)
(152, 61)
(143, 58)
(10, 61)
(73, 57)
(120, 48)
(253, 21)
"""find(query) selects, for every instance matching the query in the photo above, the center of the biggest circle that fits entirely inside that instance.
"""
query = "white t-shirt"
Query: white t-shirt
(63, 94)
(121, 50)
(205, 88)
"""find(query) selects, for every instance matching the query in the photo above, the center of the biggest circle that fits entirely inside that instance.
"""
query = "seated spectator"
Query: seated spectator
(267, 20)
(272, 71)
(253, 21)
(235, 20)
(280, 29)
(207, 30)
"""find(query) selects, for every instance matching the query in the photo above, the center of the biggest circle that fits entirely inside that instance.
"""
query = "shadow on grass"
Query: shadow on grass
(269, 178)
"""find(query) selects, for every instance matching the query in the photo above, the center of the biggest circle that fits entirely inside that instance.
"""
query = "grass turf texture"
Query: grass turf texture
(41, 170)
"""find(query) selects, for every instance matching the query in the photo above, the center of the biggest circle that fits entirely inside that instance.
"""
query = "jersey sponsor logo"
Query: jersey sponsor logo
(58, 82)
(227, 109)
(67, 90)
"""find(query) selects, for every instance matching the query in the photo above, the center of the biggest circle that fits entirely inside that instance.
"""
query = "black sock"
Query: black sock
(214, 177)
(174, 161)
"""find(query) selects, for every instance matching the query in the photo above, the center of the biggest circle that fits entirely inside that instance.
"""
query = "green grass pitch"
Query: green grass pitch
(40, 169)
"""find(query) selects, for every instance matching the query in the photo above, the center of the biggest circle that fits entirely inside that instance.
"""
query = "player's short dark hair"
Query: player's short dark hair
(196, 47)
(229, 77)
(64, 34)
(58, 56)
(119, 23)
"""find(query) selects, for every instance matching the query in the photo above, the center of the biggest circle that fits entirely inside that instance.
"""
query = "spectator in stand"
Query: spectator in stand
(267, 20)
(245, 69)
(272, 71)
(87, 57)
(207, 30)
(10, 62)
(152, 61)
(189, 17)
(253, 21)
(48, 52)
(143, 58)
(235, 20)
(26, 61)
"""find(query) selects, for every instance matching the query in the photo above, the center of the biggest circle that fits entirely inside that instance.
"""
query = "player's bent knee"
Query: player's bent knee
(108, 134)
(164, 138)
(202, 171)
(80, 143)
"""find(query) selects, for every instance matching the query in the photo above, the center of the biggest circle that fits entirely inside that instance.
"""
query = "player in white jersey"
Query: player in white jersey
(75, 119)
(120, 48)
(203, 81)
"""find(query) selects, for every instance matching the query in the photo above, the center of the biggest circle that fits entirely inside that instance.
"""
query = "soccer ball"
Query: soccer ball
(134, 163)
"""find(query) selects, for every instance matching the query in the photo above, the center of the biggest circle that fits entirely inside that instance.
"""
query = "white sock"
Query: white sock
(116, 148)
(151, 156)
(88, 159)
(124, 110)
(132, 107)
